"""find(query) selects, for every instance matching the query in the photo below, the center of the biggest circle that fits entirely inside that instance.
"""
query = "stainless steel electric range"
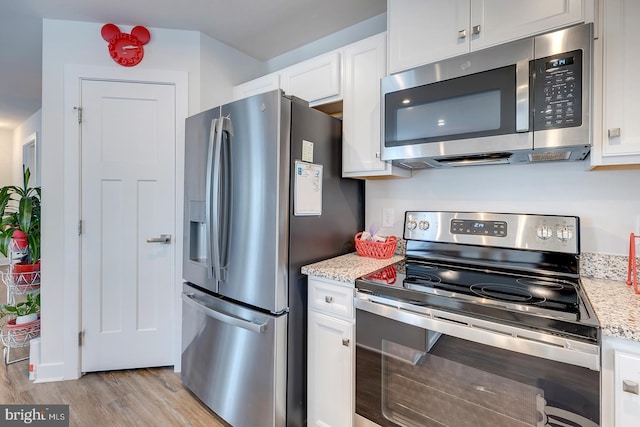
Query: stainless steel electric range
(484, 323)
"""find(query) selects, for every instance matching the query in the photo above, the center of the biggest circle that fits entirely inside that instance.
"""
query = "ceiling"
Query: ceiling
(262, 29)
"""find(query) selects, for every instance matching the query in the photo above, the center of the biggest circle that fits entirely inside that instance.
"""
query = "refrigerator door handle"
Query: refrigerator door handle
(224, 225)
(208, 198)
(191, 299)
(214, 220)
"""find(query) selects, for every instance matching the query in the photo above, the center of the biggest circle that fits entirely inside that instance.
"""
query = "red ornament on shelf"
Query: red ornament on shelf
(126, 49)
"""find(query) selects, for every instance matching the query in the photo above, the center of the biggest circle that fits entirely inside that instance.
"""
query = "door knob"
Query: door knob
(164, 238)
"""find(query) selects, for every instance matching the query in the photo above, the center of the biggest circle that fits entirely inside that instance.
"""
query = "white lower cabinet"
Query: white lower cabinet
(620, 383)
(331, 354)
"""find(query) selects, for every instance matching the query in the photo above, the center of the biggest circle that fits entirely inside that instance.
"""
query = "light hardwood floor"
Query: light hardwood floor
(141, 397)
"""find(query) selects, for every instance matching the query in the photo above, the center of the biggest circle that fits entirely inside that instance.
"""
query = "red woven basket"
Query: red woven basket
(380, 250)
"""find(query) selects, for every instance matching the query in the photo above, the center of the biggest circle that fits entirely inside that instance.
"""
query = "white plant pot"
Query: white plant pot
(21, 320)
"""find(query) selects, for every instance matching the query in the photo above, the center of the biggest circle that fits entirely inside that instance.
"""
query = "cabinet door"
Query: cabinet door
(330, 393)
(316, 80)
(424, 31)
(365, 65)
(627, 384)
(621, 129)
(498, 21)
(254, 87)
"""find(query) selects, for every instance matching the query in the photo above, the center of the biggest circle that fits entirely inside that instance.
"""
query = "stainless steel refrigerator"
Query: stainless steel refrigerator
(263, 196)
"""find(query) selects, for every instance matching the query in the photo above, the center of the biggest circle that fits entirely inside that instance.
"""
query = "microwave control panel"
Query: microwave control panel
(558, 91)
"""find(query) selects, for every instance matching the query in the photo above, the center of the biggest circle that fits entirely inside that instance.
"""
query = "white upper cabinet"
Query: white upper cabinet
(365, 65)
(254, 87)
(425, 31)
(316, 80)
(617, 130)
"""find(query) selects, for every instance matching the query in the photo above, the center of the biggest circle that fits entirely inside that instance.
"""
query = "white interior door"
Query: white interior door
(128, 197)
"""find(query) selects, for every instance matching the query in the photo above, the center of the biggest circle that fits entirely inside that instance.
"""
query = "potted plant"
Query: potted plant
(20, 227)
(25, 321)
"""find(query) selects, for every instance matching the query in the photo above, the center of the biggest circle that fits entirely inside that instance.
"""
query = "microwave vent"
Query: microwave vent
(547, 156)
(415, 165)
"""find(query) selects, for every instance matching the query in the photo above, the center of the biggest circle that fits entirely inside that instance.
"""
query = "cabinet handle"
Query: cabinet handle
(476, 30)
(462, 34)
(613, 133)
(345, 342)
(627, 386)
(328, 299)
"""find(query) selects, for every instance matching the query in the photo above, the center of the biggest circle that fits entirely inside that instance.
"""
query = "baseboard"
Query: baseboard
(50, 372)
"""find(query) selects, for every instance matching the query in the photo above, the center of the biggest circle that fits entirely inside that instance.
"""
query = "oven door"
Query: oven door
(417, 366)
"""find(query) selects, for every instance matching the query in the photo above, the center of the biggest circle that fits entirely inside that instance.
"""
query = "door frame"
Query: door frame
(73, 76)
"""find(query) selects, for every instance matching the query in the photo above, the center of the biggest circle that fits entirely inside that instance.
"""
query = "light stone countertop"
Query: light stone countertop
(616, 304)
(347, 268)
(617, 307)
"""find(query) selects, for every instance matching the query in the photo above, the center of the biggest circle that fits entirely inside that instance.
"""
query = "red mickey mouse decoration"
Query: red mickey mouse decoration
(126, 49)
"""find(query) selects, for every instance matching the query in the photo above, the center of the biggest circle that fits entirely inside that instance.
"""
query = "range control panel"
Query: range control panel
(479, 227)
(518, 231)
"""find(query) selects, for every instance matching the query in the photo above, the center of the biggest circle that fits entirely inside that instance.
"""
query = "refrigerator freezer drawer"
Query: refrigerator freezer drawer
(234, 359)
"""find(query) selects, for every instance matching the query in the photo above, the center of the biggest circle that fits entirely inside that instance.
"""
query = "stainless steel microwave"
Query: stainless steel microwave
(521, 102)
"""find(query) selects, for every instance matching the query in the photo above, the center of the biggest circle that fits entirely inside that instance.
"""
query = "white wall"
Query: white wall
(359, 31)
(70, 43)
(222, 67)
(607, 201)
(6, 157)
(21, 134)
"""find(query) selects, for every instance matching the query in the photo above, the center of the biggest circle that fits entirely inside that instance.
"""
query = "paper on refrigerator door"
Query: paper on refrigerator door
(308, 189)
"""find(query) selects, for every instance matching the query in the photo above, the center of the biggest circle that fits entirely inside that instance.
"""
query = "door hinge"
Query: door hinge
(79, 110)
(80, 338)
(79, 227)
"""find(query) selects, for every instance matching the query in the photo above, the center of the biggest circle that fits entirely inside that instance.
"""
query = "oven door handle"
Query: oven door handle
(485, 332)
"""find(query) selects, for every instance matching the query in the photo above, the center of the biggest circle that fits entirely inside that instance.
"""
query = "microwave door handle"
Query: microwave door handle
(522, 96)
(208, 198)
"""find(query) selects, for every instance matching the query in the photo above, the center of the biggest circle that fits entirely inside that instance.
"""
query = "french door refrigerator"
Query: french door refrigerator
(263, 196)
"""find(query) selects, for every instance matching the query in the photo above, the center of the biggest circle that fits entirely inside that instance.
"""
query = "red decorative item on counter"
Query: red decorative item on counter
(632, 272)
(388, 274)
(380, 250)
(126, 49)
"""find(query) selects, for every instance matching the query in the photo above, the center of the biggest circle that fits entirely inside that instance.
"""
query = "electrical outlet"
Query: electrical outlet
(387, 217)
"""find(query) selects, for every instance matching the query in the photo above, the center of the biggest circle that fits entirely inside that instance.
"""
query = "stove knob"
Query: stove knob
(544, 232)
(423, 225)
(564, 233)
(411, 224)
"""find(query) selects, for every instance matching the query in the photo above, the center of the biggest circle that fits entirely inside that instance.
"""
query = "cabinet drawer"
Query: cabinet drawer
(331, 298)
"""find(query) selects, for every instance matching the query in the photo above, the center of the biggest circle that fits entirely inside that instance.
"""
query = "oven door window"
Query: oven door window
(478, 105)
(408, 376)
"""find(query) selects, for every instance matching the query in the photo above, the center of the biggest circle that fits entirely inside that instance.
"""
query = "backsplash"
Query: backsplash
(604, 266)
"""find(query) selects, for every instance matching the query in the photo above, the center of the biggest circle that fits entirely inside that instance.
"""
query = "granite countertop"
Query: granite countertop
(616, 304)
(347, 268)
